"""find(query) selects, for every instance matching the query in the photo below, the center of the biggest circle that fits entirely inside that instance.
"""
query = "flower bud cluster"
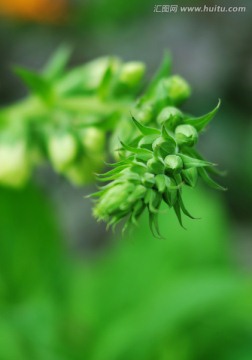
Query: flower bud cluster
(154, 168)
(66, 118)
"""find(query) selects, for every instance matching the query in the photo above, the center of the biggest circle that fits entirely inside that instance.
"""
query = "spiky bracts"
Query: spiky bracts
(154, 168)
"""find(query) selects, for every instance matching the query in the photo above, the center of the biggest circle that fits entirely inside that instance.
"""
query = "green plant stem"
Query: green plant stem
(33, 107)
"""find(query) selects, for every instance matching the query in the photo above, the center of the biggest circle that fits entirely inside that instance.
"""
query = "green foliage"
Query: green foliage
(181, 299)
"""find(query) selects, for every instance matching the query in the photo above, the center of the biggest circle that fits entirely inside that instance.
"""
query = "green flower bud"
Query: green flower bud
(15, 165)
(147, 141)
(95, 70)
(114, 198)
(93, 139)
(137, 194)
(186, 135)
(155, 165)
(132, 73)
(178, 89)
(83, 170)
(167, 113)
(144, 114)
(62, 150)
(148, 180)
(173, 163)
(163, 146)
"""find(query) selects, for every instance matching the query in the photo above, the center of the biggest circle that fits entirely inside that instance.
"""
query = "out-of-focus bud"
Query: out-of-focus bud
(144, 114)
(177, 88)
(167, 113)
(123, 132)
(131, 73)
(14, 164)
(84, 169)
(186, 135)
(95, 70)
(62, 150)
(93, 139)
(173, 163)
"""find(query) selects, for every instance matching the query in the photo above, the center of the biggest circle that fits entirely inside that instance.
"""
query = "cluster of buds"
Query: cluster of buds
(70, 114)
(161, 98)
(75, 154)
(154, 168)
(66, 119)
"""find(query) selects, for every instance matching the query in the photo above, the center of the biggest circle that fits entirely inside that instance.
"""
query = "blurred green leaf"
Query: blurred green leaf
(56, 65)
(35, 82)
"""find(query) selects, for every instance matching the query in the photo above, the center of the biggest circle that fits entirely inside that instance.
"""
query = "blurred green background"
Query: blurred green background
(71, 290)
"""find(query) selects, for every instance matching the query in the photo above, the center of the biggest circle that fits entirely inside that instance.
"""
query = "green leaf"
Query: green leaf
(56, 65)
(114, 171)
(146, 154)
(106, 82)
(209, 181)
(128, 160)
(201, 122)
(154, 202)
(190, 176)
(170, 196)
(35, 82)
(177, 210)
(154, 225)
(144, 129)
(183, 208)
(163, 71)
(193, 162)
(194, 153)
(137, 211)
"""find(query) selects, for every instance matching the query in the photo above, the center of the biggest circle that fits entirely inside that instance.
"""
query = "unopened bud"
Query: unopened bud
(62, 150)
(132, 72)
(115, 198)
(143, 114)
(167, 113)
(164, 146)
(186, 135)
(155, 165)
(178, 89)
(95, 70)
(93, 139)
(14, 164)
(148, 180)
(173, 163)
